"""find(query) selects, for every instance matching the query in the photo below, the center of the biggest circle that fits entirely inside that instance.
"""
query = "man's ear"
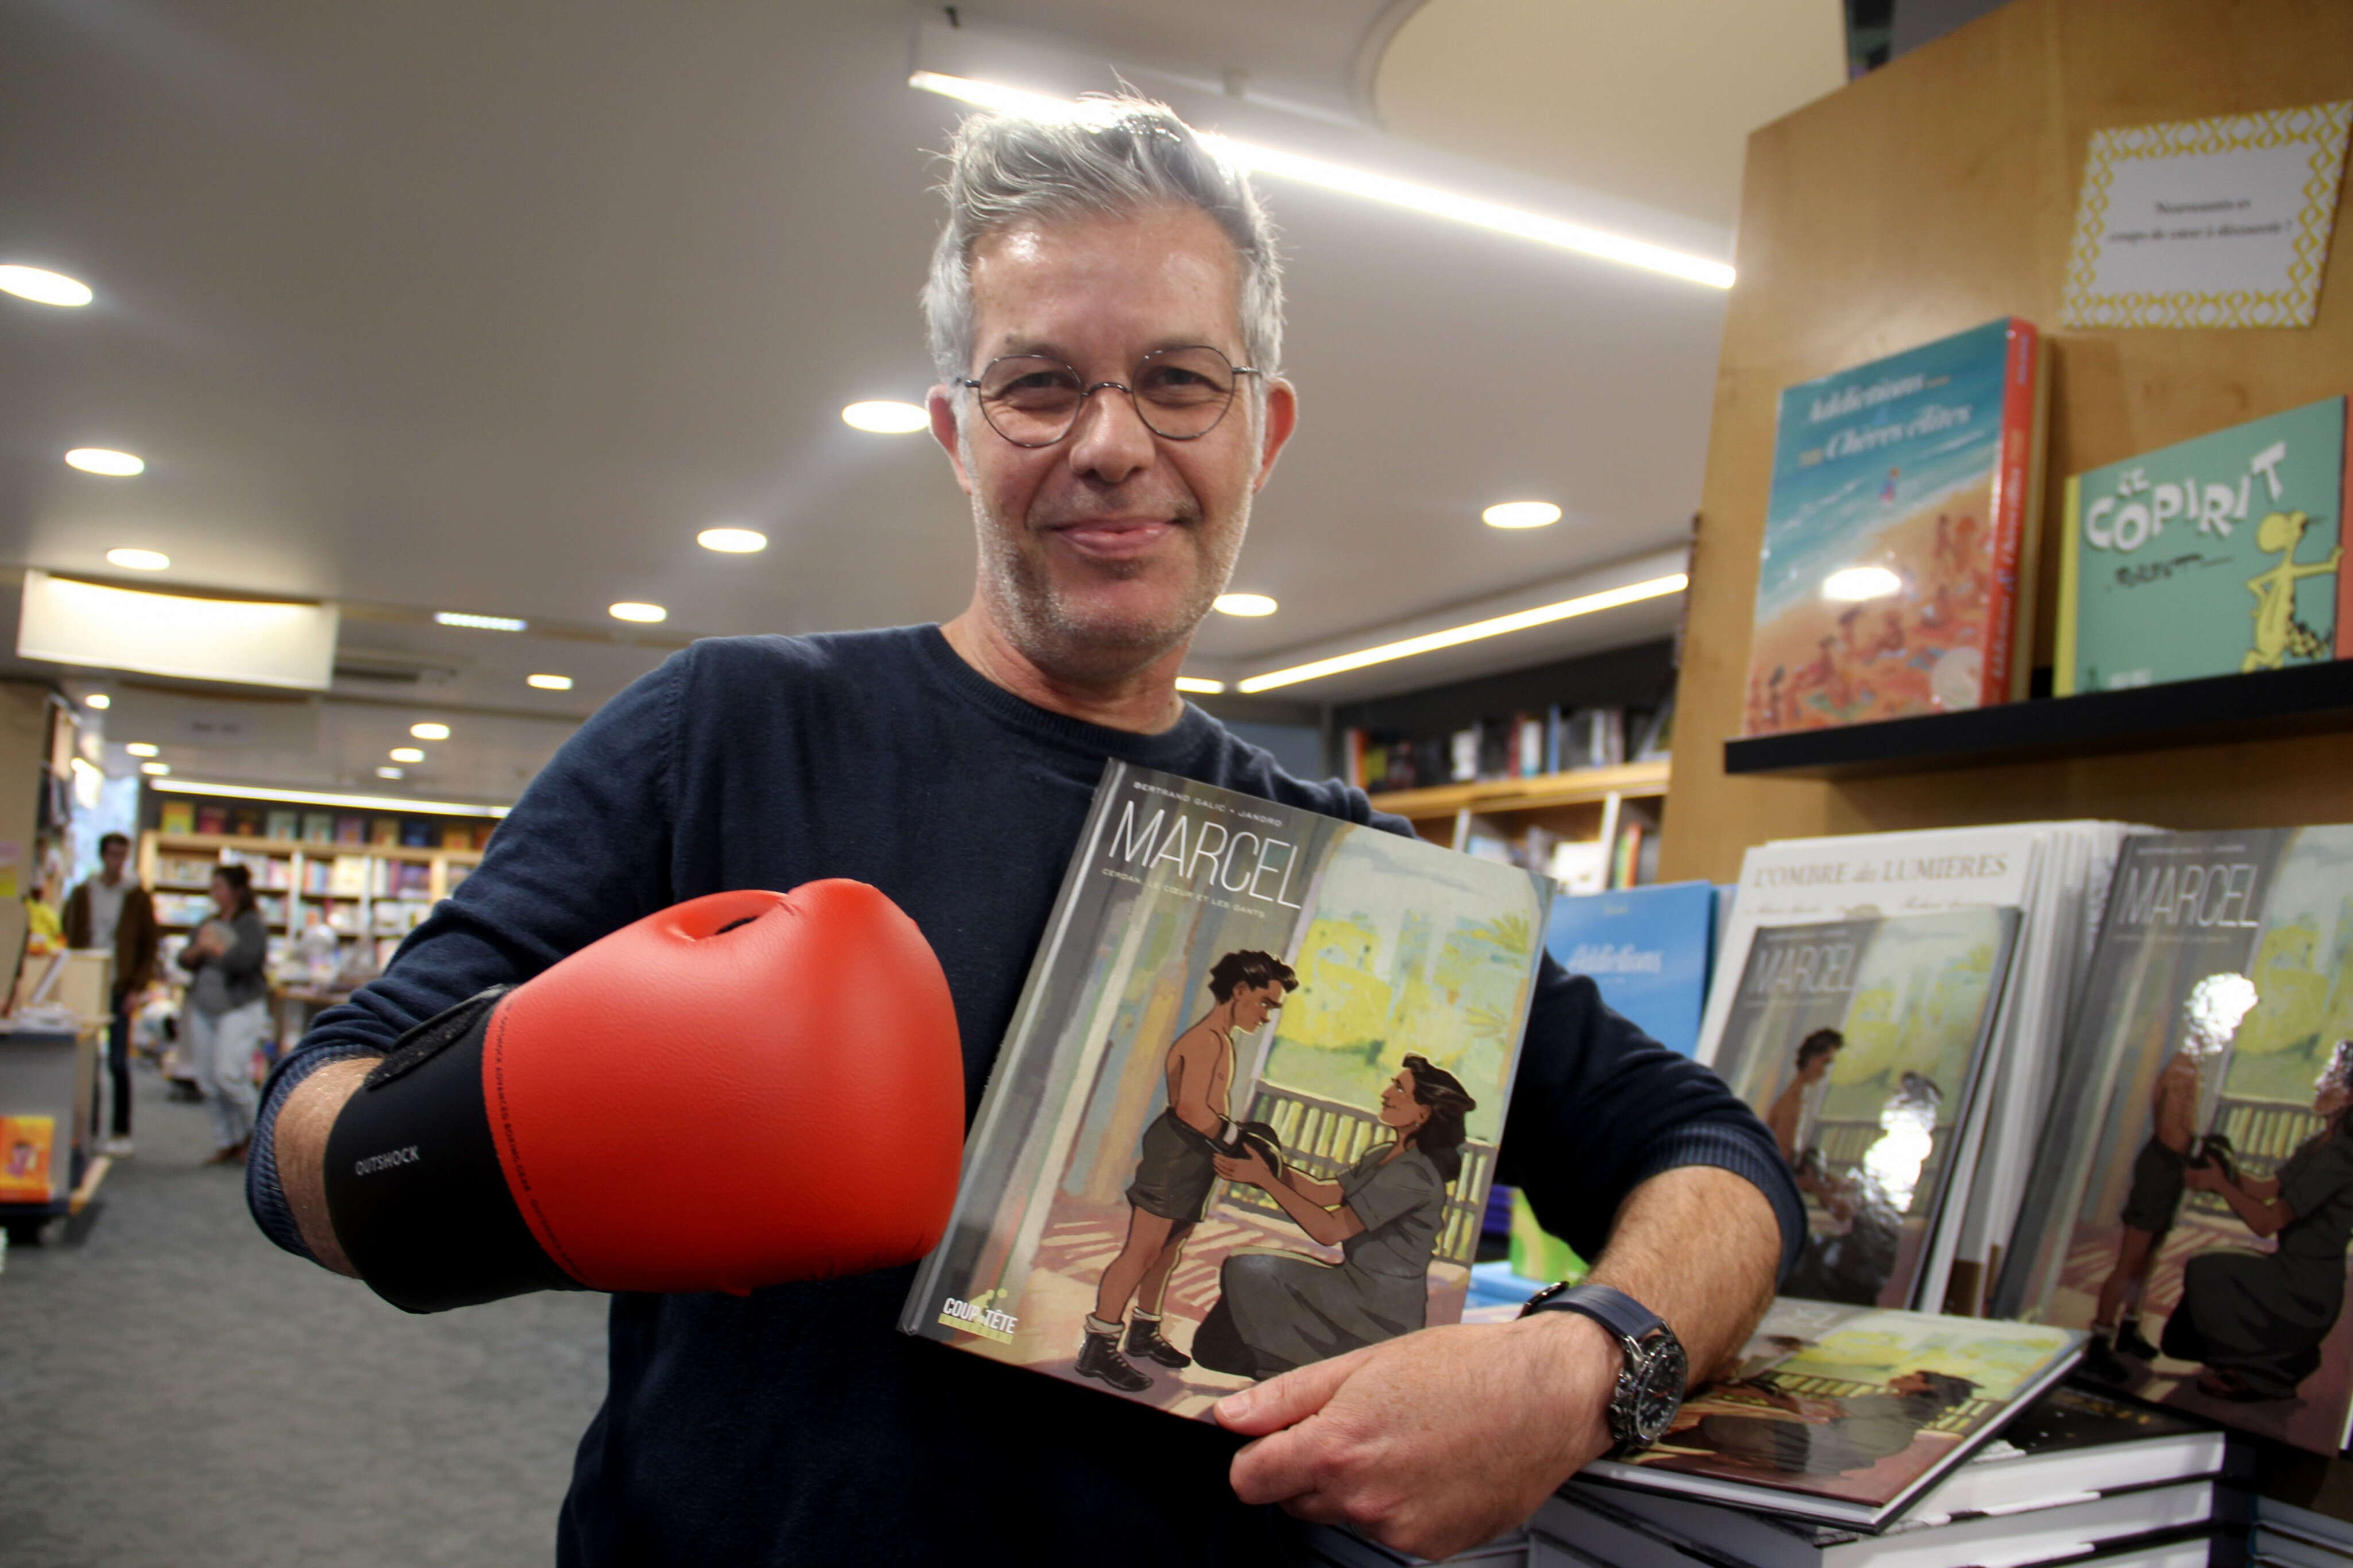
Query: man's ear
(941, 403)
(1281, 417)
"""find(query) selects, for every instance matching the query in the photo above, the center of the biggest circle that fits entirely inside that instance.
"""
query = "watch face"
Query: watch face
(1657, 1389)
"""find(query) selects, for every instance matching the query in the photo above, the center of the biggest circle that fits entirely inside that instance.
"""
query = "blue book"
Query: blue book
(1649, 949)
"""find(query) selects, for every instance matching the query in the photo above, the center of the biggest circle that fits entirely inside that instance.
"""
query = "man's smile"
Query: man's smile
(1113, 538)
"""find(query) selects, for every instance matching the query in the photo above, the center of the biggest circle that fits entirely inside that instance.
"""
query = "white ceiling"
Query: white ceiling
(492, 307)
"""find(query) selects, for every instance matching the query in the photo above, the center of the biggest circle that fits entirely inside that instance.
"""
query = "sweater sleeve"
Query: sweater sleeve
(249, 949)
(584, 852)
(1598, 1107)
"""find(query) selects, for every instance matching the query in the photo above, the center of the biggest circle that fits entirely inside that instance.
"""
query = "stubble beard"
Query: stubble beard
(1068, 644)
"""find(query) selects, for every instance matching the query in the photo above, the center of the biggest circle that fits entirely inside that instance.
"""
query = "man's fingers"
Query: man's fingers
(1287, 1400)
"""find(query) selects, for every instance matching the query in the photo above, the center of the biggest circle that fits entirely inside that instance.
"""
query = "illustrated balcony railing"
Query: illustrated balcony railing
(1324, 1138)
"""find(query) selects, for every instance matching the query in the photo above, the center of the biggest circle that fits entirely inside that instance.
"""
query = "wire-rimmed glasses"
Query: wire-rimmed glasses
(1180, 393)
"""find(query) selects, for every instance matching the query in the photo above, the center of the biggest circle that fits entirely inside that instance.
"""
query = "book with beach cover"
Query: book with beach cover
(2214, 556)
(2192, 1198)
(1860, 1045)
(1900, 536)
(1847, 1415)
(1246, 1114)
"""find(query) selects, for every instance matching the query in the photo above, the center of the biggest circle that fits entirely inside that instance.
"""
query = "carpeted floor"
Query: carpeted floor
(176, 1391)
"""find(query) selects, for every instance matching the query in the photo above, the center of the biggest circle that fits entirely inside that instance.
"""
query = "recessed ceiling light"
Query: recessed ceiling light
(1521, 514)
(480, 623)
(630, 610)
(144, 749)
(155, 770)
(98, 699)
(1856, 584)
(390, 773)
(1201, 684)
(1543, 614)
(429, 732)
(549, 682)
(733, 541)
(407, 754)
(1244, 604)
(887, 418)
(1252, 158)
(138, 560)
(101, 460)
(44, 288)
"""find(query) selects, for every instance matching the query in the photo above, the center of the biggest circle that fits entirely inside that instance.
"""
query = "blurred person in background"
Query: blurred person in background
(227, 1010)
(111, 911)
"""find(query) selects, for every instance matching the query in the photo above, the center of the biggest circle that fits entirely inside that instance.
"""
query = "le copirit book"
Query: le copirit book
(1900, 535)
(1847, 1415)
(1245, 1117)
(2215, 556)
(2192, 1200)
(1859, 1043)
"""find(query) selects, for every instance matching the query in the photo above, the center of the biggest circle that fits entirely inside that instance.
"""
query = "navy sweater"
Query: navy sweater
(797, 1426)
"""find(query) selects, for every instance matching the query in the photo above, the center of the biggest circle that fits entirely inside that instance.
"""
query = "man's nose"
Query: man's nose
(1111, 441)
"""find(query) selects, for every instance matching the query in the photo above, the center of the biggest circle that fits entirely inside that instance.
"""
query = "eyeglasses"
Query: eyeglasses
(1180, 393)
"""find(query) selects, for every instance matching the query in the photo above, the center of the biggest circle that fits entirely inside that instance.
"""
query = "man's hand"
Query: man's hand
(1435, 1442)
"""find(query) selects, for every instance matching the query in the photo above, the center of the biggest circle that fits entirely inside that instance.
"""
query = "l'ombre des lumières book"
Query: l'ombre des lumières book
(1900, 535)
(1246, 1115)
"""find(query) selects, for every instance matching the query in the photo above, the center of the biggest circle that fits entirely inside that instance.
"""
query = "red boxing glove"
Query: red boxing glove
(744, 1090)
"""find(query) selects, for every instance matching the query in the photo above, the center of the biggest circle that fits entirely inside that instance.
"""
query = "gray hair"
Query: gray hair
(1119, 155)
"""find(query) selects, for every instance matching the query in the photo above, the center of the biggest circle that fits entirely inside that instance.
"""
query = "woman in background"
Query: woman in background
(1277, 1310)
(227, 1010)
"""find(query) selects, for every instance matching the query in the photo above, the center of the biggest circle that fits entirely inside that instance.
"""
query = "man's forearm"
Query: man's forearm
(1700, 1246)
(301, 1145)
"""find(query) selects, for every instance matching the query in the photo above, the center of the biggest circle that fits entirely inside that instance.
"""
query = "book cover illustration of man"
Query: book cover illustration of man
(2202, 1230)
(1882, 591)
(1857, 1042)
(1851, 1403)
(26, 1146)
(2215, 556)
(1233, 1134)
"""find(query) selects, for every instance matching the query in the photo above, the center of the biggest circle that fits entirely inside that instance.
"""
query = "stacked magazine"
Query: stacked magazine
(1988, 1114)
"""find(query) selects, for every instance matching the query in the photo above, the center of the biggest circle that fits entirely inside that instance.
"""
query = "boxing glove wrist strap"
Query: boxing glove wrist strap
(414, 1189)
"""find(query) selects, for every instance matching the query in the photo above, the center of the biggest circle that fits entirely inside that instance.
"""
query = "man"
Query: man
(1092, 280)
(113, 910)
(1177, 1170)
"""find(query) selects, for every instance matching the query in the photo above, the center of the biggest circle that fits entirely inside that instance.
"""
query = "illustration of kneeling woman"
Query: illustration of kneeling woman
(1277, 1310)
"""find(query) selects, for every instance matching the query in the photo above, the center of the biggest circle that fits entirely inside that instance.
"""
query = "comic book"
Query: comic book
(1900, 535)
(1648, 949)
(1860, 1043)
(2192, 1200)
(2215, 556)
(1246, 1115)
(1847, 1415)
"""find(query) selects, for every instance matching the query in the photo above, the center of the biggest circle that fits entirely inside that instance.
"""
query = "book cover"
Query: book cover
(176, 816)
(2213, 556)
(2192, 1197)
(285, 826)
(1246, 1114)
(1648, 949)
(318, 827)
(1859, 1043)
(416, 833)
(384, 832)
(351, 830)
(1847, 1415)
(211, 819)
(1900, 535)
(28, 1144)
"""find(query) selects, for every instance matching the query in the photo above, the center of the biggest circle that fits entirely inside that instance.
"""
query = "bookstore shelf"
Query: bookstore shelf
(2302, 699)
(1587, 787)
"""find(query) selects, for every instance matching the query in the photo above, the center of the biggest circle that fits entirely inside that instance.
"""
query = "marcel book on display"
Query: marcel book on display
(1900, 535)
(1246, 1115)
(2215, 556)
(2193, 1197)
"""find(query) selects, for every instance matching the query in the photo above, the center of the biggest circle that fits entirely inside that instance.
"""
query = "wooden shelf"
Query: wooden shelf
(1639, 780)
(310, 849)
(2304, 700)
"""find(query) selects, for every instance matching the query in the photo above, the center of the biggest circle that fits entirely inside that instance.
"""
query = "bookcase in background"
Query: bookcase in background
(1931, 196)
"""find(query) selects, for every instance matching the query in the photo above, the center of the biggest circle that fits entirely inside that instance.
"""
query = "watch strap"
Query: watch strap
(1613, 1309)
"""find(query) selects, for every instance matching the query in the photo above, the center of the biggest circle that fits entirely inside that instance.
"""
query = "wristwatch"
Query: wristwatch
(1651, 1382)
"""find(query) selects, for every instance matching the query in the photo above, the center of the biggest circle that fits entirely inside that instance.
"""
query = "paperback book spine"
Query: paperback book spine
(2010, 591)
(2070, 585)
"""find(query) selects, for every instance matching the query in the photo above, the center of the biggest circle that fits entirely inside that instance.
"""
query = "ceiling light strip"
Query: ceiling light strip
(1369, 187)
(313, 797)
(1429, 642)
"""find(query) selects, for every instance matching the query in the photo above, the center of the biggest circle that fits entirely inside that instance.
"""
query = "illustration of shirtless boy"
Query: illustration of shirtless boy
(1177, 1171)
